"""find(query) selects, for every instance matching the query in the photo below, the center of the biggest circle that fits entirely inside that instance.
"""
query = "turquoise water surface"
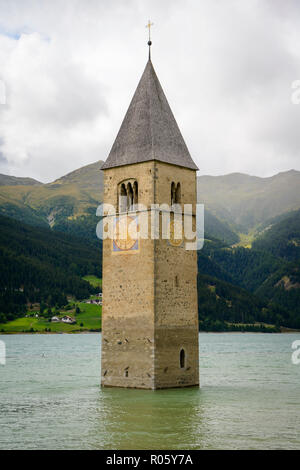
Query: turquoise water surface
(249, 398)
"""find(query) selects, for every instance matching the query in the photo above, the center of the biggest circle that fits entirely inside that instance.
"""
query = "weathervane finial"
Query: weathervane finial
(149, 39)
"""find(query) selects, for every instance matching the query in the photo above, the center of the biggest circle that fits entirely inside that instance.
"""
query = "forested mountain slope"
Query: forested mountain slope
(45, 261)
(282, 238)
(38, 265)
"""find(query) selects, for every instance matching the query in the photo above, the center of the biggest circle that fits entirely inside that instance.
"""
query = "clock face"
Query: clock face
(125, 234)
(176, 230)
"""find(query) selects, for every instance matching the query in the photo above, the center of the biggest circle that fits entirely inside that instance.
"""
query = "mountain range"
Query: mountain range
(235, 203)
(245, 201)
(249, 269)
(6, 180)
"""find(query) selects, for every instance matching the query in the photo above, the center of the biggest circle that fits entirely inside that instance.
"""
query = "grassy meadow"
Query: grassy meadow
(89, 318)
(93, 280)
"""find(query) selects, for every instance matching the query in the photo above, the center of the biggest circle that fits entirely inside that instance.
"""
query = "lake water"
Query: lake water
(249, 398)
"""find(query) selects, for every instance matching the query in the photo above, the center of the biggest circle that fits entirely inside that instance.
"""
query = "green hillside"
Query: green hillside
(282, 288)
(234, 204)
(245, 201)
(247, 268)
(7, 180)
(88, 177)
(231, 290)
(282, 237)
(87, 319)
(45, 262)
(21, 212)
(40, 266)
(213, 227)
(58, 204)
(208, 266)
(223, 306)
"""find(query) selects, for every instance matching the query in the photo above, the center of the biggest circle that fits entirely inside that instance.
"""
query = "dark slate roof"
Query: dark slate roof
(149, 130)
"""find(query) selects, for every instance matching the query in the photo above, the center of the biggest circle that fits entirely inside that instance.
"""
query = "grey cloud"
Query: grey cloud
(226, 68)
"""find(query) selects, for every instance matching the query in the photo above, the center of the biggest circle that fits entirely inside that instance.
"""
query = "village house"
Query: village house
(67, 319)
(94, 301)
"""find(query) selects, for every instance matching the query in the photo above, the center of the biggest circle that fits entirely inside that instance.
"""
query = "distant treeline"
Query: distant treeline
(221, 303)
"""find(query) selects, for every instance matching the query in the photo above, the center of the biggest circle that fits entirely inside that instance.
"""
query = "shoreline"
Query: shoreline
(9, 333)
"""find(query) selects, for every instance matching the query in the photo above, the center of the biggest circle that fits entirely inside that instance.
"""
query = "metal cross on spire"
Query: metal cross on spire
(149, 39)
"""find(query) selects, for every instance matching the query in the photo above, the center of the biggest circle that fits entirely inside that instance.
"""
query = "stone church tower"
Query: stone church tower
(150, 317)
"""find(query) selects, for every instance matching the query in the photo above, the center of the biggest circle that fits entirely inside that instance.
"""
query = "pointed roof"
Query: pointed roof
(149, 130)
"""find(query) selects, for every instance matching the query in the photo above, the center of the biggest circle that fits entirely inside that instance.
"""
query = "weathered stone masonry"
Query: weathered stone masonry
(150, 321)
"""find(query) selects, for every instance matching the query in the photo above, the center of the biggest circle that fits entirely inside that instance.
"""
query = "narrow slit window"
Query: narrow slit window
(129, 197)
(122, 199)
(173, 191)
(182, 358)
(178, 194)
(135, 193)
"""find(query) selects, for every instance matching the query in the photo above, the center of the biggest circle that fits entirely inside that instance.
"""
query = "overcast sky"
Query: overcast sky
(70, 68)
